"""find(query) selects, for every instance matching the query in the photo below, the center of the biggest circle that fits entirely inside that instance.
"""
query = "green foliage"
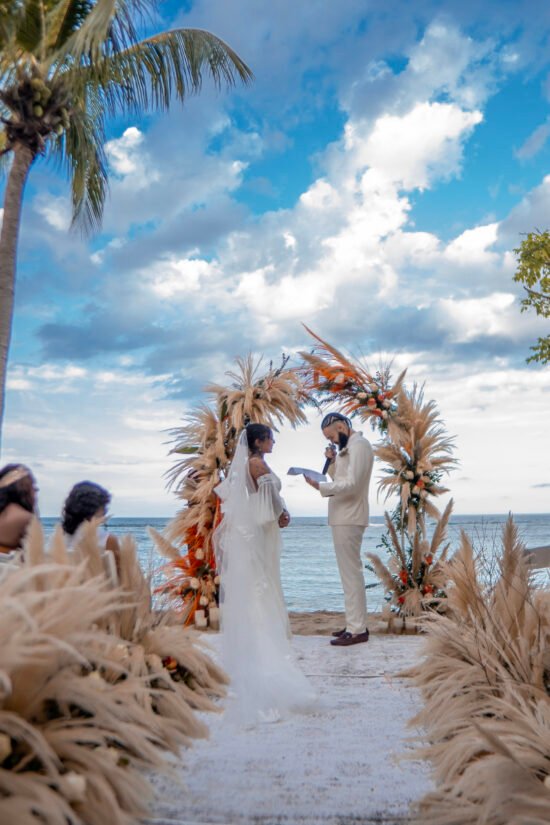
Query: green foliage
(67, 65)
(534, 273)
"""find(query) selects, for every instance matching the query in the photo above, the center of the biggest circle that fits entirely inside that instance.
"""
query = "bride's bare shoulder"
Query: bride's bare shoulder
(257, 467)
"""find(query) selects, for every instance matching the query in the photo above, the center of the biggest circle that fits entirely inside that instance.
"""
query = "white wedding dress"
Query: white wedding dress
(266, 682)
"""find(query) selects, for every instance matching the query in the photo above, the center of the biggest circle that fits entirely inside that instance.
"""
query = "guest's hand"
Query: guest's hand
(314, 484)
(284, 519)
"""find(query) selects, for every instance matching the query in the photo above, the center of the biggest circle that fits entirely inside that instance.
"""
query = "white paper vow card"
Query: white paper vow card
(302, 471)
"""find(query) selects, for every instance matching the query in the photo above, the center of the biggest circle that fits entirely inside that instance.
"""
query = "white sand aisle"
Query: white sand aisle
(335, 767)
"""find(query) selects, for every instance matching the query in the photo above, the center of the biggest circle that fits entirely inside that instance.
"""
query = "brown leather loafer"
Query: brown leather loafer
(350, 639)
(338, 633)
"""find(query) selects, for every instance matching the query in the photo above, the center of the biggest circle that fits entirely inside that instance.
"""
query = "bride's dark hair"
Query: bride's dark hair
(256, 432)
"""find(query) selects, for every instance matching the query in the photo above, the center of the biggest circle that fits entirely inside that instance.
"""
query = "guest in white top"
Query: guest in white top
(348, 516)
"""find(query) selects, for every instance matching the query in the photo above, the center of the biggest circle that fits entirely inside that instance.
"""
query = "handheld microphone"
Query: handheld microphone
(328, 462)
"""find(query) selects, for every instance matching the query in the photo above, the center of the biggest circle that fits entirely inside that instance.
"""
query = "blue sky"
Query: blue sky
(372, 182)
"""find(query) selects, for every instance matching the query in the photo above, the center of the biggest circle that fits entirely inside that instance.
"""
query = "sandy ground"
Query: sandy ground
(338, 766)
(323, 622)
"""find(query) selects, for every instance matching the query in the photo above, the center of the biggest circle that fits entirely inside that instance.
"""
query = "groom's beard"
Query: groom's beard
(342, 440)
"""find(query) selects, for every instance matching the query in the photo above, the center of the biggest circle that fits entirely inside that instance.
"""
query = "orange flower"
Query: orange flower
(170, 663)
(420, 483)
(429, 559)
(404, 576)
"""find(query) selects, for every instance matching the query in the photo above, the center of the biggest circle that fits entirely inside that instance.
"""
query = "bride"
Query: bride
(256, 648)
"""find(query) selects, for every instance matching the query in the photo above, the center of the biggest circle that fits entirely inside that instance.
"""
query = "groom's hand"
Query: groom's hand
(314, 484)
(330, 452)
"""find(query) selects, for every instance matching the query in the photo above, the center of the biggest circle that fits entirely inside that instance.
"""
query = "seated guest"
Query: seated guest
(17, 505)
(87, 501)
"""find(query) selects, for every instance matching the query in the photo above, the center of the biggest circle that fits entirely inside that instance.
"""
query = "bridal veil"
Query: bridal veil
(266, 682)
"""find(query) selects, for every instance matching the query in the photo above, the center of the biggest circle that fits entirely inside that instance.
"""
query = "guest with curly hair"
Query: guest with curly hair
(86, 501)
(17, 505)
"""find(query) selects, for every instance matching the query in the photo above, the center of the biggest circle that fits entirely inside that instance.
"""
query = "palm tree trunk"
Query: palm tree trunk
(22, 161)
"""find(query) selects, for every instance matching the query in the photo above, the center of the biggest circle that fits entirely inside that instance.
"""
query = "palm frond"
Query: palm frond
(486, 685)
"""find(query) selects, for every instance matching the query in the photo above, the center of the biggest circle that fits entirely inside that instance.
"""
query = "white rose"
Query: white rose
(5, 746)
(386, 404)
(409, 475)
(199, 554)
(362, 395)
(423, 494)
(112, 754)
(415, 490)
(203, 601)
(194, 584)
(73, 786)
(95, 676)
(384, 414)
(217, 580)
(373, 387)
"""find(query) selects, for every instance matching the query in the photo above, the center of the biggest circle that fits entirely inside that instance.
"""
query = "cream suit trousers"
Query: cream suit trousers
(347, 544)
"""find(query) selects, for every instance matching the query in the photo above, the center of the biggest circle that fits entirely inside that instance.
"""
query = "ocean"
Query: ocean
(308, 566)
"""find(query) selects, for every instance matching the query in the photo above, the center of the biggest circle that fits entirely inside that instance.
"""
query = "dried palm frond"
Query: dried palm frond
(381, 571)
(59, 721)
(416, 577)
(208, 440)
(164, 547)
(83, 710)
(332, 377)
(485, 678)
(417, 455)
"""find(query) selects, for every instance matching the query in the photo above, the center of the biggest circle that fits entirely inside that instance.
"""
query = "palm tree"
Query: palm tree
(67, 65)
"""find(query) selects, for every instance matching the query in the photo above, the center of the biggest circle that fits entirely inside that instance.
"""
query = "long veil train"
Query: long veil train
(256, 650)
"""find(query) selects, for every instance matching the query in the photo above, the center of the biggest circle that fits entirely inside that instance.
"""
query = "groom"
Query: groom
(348, 516)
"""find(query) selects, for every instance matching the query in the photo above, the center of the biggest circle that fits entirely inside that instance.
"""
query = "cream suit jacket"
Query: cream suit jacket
(348, 492)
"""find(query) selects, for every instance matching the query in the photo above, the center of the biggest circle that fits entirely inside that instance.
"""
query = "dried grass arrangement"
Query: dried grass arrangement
(416, 455)
(416, 452)
(485, 679)
(331, 377)
(207, 442)
(415, 577)
(89, 694)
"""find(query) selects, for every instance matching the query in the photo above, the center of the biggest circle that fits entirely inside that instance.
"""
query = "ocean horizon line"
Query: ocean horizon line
(324, 516)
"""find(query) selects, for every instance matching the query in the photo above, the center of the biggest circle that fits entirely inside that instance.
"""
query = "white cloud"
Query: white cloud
(413, 149)
(56, 211)
(130, 161)
(472, 317)
(346, 258)
(123, 152)
(535, 142)
(184, 275)
(472, 247)
(69, 424)
(99, 256)
(320, 195)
